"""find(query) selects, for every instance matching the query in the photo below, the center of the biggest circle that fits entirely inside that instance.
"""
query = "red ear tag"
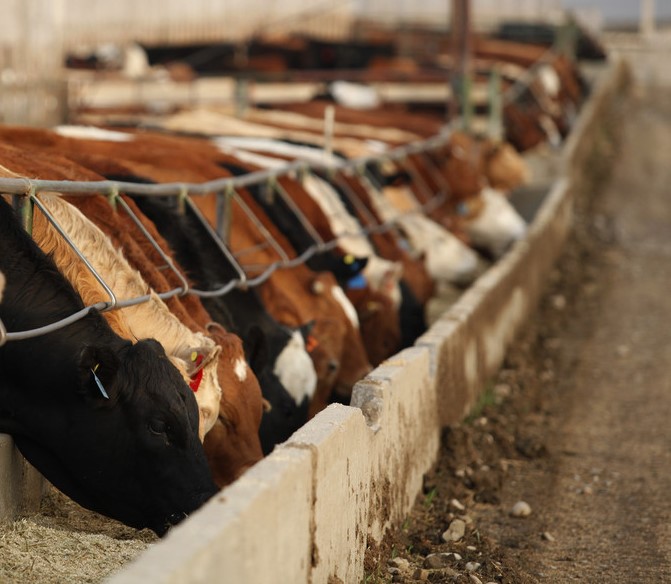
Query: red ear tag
(311, 344)
(197, 377)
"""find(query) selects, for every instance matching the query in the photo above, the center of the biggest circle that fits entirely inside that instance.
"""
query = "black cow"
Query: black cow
(110, 423)
(240, 311)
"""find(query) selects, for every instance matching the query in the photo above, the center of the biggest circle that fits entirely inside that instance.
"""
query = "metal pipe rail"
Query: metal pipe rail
(225, 187)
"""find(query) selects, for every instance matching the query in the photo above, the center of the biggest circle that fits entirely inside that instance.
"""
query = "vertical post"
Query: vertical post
(461, 51)
(329, 123)
(567, 38)
(495, 125)
(241, 96)
(224, 218)
(647, 20)
(23, 205)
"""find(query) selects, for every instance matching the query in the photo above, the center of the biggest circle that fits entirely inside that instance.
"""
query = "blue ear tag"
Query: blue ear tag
(404, 244)
(462, 209)
(99, 383)
(358, 282)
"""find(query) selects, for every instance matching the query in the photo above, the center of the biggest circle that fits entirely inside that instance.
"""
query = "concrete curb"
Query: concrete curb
(307, 512)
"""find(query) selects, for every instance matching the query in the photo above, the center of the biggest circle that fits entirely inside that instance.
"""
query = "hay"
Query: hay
(66, 543)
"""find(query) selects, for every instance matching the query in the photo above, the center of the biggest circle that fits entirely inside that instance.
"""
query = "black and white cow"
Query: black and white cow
(110, 423)
(269, 346)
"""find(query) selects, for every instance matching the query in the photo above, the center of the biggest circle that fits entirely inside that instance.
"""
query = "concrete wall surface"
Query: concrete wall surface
(306, 513)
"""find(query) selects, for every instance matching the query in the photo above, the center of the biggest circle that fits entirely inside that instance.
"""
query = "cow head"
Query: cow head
(233, 445)
(503, 166)
(380, 324)
(283, 412)
(125, 442)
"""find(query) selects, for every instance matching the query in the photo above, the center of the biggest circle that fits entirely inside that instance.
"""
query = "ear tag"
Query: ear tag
(311, 344)
(462, 209)
(98, 382)
(197, 377)
(348, 259)
(404, 244)
(358, 282)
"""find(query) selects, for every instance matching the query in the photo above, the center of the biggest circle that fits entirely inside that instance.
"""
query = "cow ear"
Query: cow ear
(256, 348)
(98, 368)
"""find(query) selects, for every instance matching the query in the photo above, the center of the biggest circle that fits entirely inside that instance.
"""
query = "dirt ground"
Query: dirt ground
(576, 424)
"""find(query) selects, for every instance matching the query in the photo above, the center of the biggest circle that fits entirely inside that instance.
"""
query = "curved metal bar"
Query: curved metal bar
(113, 299)
(217, 240)
(27, 187)
(166, 258)
(302, 219)
(49, 328)
(260, 227)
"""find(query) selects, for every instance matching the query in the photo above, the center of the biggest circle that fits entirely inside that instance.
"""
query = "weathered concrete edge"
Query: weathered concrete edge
(449, 366)
(21, 486)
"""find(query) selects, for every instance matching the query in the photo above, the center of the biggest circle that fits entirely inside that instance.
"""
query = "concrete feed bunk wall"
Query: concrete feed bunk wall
(308, 510)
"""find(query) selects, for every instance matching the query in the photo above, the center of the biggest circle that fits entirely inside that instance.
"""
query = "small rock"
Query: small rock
(559, 302)
(457, 556)
(467, 519)
(435, 561)
(475, 579)
(457, 505)
(472, 566)
(547, 536)
(502, 390)
(400, 563)
(455, 531)
(587, 490)
(471, 548)
(521, 509)
(393, 571)
(547, 375)
(420, 574)
(460, 473)
(623, 350)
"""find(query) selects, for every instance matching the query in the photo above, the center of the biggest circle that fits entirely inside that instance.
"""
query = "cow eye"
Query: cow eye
(157, 426)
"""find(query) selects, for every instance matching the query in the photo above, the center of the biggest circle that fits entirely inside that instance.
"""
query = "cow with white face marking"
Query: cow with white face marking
(110, 423)
(383, 275)
(269, 349)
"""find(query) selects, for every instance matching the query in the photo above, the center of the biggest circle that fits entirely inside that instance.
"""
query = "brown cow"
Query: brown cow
(235, 446)
(288, 293)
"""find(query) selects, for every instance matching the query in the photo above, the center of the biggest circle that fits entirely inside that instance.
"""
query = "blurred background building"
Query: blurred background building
(36, 35)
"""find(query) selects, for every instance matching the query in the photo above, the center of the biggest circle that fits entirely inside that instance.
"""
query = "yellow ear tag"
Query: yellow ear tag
(348, 259)
(194, 356)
